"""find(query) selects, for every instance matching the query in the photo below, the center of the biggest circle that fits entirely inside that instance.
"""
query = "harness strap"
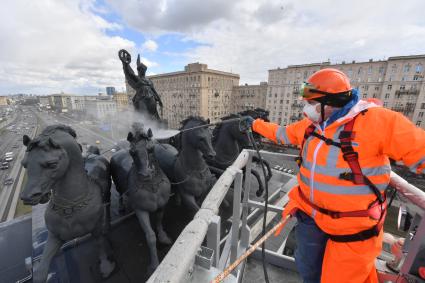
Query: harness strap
(362, 235)
(352, 158)
(308, 132)
(374, 210)
(326, 140)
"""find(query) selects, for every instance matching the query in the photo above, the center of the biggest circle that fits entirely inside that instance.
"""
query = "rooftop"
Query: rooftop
(194, 68)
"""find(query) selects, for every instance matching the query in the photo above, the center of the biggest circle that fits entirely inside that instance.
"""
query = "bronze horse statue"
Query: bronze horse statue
(187, 168)
(146, 98)
(93, 165)
(55, 166)
(137, 173)
(229, 138)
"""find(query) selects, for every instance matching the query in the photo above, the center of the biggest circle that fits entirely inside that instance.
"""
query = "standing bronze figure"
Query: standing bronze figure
(146, 97)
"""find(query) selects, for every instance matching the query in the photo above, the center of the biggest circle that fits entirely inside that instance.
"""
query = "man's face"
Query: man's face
(328, 109)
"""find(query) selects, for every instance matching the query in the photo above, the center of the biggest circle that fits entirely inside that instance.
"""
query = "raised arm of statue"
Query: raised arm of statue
(130, 76)
(157, 97)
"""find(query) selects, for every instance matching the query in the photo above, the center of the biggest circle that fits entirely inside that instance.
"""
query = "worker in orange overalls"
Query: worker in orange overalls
(344, 164)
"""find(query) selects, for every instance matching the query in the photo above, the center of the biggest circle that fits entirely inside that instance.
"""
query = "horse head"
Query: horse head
(92, 149)
(47, 160)
(235, 131)
(141, 149)
(199, 138)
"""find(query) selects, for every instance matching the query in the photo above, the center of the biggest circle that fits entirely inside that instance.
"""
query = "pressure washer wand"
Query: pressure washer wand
(212, 124)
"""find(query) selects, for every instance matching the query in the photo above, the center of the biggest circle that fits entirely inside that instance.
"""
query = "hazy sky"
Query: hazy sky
(48, 46)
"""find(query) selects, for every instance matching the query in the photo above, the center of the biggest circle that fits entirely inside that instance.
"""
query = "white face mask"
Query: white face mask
(311, 112)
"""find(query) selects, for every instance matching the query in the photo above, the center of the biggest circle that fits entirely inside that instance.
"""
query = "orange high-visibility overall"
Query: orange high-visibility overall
(380, 134)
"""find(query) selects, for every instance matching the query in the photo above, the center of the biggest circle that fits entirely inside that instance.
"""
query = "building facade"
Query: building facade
(195, 91)
(100, 107)
(44, 101)
(3, 101)
(246, 97)
(110, 90)
(121, 100)
(397, 82)
(60, 102)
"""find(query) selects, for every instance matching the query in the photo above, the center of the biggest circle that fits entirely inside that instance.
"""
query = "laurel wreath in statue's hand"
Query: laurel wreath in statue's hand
(124, 56)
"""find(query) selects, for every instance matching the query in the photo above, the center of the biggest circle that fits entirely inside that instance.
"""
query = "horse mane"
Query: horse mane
(43, 138)
(216, 131)
(192, 118)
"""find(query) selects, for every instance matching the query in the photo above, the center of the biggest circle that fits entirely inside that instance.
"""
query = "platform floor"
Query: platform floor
(254, 273)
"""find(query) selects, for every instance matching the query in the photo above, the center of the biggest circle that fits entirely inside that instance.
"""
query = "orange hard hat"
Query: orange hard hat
(326, 82)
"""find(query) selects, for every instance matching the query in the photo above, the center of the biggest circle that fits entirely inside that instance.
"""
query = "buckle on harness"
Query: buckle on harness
(329, 141)
(298, 160)
(334, 214)
(347, 135)
(357, 179)
(350, 156)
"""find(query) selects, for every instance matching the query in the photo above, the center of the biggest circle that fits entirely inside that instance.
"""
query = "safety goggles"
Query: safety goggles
(309, 91)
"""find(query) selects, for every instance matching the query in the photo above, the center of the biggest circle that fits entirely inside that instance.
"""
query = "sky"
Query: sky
(71, 46)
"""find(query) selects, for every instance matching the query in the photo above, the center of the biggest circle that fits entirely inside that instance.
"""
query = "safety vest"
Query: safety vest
(376, 210)
(377, 135)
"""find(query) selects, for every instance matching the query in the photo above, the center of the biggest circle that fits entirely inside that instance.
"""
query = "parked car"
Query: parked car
(4, 167)
(8, 181)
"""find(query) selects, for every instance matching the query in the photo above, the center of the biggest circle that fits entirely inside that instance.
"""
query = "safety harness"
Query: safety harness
(376, 210)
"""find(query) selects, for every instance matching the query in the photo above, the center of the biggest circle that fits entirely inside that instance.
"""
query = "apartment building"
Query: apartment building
(195, 91)
(3, 101)
(100, 107)
(60, 102)
(398, 82)
(246, 97)
(121, 100)
(44, 101)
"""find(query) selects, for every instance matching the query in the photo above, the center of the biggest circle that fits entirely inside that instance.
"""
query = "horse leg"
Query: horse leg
(190, 202)
(106, 266)
(144, 221)
(107, 218)
(121, 206)
(41, 271)
(162, 236)
(107, 211)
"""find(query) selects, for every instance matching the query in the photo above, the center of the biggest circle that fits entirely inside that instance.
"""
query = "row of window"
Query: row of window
(381, 70)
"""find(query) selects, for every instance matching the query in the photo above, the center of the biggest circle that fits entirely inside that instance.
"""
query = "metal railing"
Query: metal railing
(178, 265)
(182, 261)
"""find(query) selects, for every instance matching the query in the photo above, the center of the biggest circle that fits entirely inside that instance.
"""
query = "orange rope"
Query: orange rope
(230, 268)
